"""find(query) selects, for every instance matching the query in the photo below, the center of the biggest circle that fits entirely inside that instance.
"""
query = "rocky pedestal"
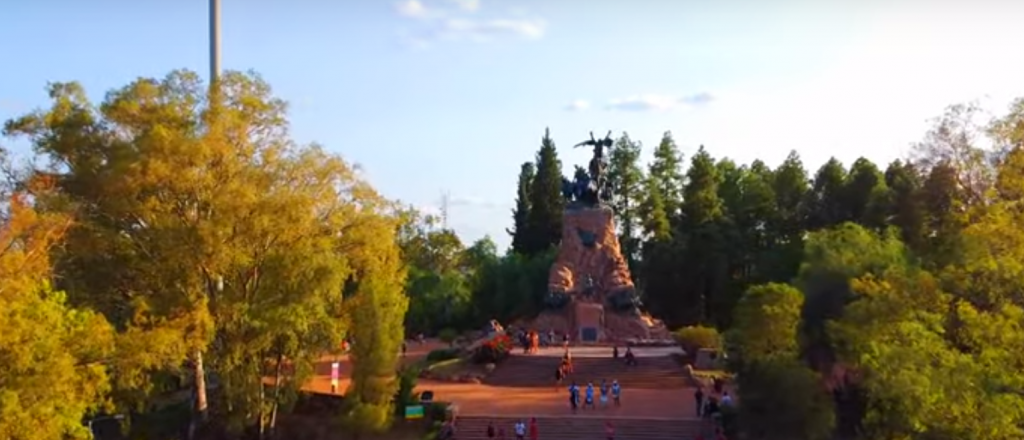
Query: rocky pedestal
(590, 284)
(589, 262)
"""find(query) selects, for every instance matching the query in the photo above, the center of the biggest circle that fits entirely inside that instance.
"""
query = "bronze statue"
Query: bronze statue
(597, 162)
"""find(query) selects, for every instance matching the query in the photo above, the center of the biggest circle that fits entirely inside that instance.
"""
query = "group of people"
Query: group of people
(591, 401)
(531, 340)
(628, 356)
(709, 407)
(521, 430)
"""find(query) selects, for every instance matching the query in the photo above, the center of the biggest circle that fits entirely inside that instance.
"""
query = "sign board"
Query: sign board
(413, 412)
(335, 370)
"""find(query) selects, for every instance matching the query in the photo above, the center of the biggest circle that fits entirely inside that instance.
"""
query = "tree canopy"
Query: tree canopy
(174, 230)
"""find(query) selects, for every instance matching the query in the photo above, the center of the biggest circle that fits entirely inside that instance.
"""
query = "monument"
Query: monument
(590, 292)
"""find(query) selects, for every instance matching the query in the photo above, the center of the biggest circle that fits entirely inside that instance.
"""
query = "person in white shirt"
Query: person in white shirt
(726, 399)
(520, 430)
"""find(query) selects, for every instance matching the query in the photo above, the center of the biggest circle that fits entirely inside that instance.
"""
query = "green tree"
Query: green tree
(865, 195)
(825, 205)
(377, 306)
(626, 178)
(905, 210)
(945, 215)
(546, 202)
(783, 400)
(766, 324)
(705, 252)
(667, 173)
(787, 229)
(520, 231)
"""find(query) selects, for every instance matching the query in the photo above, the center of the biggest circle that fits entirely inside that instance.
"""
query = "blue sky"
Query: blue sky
(434, 96)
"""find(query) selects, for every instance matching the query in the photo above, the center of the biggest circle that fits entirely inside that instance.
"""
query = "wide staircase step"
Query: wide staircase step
(661, 372)
(581, 428)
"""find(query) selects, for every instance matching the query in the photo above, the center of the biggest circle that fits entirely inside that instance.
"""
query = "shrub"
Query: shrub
(696, 337)
(436, 411)
(494, 350)
(406, 385)
(448, 336)
(442, 354)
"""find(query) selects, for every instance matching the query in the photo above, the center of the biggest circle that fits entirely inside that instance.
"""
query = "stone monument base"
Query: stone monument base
(611, 327)
(588, 322)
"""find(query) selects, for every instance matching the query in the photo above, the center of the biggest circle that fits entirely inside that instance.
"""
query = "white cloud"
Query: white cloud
(578, 105)
(467, 5)
(486, 29)
(412, 9)
(653, 102)
(461, 23)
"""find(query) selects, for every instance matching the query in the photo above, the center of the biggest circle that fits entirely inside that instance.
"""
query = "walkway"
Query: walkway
(486, 400)
(603, 352)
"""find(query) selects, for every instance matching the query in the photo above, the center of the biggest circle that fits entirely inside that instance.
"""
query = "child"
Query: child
(589, 401)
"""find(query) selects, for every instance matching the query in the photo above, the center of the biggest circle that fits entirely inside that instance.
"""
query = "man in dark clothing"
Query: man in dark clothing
(699, 398)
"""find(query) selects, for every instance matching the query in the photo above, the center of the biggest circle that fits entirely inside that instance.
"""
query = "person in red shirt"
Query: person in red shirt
(533, 429)
(609, 430)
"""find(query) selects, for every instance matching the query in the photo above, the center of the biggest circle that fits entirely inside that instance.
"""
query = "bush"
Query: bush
(436, 411)
(694, 338)
(407, 378)
(442, 354)
(448, 336)
(493, 351)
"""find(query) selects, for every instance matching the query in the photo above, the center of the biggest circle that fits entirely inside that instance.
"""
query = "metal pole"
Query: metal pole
(214, 40)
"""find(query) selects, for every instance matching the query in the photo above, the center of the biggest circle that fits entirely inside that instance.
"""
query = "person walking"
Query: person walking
(520, 429)
(698, 397)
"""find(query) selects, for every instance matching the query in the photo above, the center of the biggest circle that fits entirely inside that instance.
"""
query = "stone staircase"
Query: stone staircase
(581, 428)
(662, 372)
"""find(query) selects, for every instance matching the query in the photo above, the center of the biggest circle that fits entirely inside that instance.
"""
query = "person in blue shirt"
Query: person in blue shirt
(616, 392)
(604, 393)
(574, 397)
(589, 397)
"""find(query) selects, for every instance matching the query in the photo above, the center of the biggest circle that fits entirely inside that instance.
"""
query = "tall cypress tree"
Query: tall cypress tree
(520, 215)
(667, 172)
(627, 180)
(544, 220)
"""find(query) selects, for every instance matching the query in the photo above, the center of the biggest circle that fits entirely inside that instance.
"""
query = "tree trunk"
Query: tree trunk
(277, 393)
(261, 414)
(199, 409)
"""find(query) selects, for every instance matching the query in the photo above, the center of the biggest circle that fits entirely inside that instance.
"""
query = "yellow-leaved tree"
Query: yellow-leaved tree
(207, 235)
(53, 357)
